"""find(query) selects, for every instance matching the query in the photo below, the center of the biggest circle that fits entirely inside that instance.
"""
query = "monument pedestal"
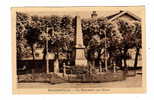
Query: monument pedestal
(80, 60)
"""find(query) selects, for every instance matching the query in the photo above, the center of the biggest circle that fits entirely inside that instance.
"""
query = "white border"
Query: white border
(5, 51)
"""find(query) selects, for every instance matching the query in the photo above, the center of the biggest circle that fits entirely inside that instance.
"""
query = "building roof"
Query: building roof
(121, 13)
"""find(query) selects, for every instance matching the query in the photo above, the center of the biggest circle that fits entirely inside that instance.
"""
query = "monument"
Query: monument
(80, 60)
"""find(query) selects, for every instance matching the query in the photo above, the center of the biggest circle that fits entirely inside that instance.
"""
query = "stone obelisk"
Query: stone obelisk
(80, 60)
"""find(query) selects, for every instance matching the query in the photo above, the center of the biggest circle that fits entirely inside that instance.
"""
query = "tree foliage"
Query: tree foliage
(34, 30)
(59, 31)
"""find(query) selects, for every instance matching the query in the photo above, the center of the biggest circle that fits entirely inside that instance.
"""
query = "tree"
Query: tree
(32, 38)
(110, 39)
(98, 36)
(138, 41)
(50, 26)
(53, 33)
(126, 29)
(21, 43)
(62, 40)
(57, 34)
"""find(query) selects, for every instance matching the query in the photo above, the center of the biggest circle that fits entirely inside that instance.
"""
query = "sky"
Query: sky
(84, 12)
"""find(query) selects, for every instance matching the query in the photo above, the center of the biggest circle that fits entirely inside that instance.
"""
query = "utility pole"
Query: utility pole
(46, 43)
(45, 37)
(105, 54)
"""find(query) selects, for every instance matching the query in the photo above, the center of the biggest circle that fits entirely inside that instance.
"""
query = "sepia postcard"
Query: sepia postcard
(78, 50)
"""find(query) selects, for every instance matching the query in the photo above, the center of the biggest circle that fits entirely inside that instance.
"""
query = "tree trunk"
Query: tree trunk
(56, 63)
(33, 55)
(125, 58)
(44, 53)
(56, 66)
(120, 59)
(100, 66)
(45, 69)
(93, 66)
(136, 58)
(125, 63)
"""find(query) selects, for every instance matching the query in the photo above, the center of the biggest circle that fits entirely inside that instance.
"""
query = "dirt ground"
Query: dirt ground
(130, 82)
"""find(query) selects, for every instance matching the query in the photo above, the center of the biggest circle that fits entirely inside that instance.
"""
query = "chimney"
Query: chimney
(94, 14)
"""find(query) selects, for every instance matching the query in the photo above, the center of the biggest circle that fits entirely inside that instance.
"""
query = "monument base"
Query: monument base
(80, 60)
(81, 66)
(81, 63)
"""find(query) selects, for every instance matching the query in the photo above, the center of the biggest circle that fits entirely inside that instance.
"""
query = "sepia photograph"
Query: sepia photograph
(78, 50)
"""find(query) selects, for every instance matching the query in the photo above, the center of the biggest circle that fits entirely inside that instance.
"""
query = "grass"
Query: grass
(81, 78)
